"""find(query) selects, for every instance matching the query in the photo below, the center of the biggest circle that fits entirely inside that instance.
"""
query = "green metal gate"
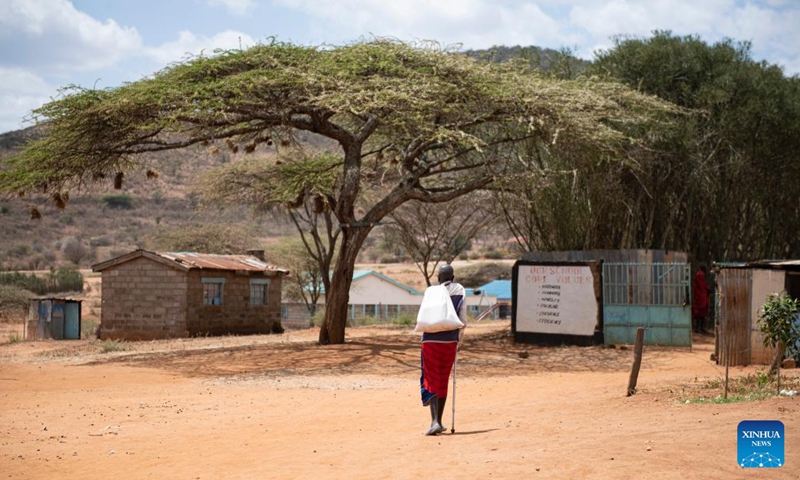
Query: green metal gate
(650, 295)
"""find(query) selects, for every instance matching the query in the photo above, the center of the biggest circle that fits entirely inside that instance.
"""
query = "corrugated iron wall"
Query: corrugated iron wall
(735, 306)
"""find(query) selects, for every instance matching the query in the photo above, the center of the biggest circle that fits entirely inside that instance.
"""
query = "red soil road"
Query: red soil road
(280, 407)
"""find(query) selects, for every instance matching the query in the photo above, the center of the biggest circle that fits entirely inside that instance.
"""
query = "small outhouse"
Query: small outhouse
(53, 318)
(742, 290)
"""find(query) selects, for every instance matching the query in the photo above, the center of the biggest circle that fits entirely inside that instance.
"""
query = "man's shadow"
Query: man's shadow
(474, 432)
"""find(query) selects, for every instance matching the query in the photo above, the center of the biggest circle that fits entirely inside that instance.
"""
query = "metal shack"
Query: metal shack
(742, 290)
(53, 318)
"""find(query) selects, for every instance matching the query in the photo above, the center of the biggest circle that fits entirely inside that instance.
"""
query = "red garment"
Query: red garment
(437, 361)
(699, 295)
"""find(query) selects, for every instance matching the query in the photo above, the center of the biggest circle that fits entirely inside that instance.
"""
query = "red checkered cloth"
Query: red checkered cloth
(437, 362)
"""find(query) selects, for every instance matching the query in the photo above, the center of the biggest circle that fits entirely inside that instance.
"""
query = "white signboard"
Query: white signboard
(556, 299)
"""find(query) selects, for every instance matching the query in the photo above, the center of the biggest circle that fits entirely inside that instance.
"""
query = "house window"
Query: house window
(259, 291)
(212, 290)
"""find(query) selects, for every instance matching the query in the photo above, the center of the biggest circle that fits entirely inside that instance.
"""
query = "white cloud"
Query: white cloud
(475, 23)
(588, 24)
(236, 7)
(770, 30)
(188, 44)
(20, 92)
(53, 36)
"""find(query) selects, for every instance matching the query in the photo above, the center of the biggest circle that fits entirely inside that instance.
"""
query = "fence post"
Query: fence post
(637, 361)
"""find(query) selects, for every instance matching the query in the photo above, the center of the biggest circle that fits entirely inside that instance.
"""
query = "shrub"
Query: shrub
(101, 241)
(474, 276)
(18, 251)
(405, 320)
(118, 202)
(74, 250)
(36, 262)
(14, 298)
(64, 279)
(318, 317)
(108, 346)
(89, 328)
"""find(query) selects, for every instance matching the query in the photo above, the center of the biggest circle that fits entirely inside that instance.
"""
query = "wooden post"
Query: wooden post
(637, 360)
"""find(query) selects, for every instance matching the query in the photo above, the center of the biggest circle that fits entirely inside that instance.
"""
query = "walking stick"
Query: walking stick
(453, 421)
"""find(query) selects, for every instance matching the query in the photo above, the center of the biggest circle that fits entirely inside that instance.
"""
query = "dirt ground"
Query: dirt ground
(278, 406)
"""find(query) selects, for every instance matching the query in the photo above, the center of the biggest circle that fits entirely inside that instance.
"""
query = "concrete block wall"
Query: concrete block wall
(143, 299)
(235, 315)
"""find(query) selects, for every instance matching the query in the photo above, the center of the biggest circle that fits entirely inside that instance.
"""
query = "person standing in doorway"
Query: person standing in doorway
(439, 353)
(700, 299)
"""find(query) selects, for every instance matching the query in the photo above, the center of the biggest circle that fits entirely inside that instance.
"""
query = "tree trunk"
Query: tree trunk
(776, 361)
(337, 296)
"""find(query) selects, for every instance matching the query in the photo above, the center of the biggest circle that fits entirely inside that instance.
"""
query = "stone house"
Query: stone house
(148, 295)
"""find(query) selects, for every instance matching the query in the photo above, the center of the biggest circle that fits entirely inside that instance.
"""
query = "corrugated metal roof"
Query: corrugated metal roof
(498, 288)
(778, 263)
(220, 262)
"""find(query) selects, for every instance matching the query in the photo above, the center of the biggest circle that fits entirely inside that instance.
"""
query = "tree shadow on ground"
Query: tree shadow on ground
(482, 355)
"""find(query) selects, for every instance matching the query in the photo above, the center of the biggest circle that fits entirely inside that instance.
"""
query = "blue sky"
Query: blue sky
(45, 44)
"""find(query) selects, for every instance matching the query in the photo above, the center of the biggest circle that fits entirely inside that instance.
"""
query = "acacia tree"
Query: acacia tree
(201, 238)
(436, 233)
(297, 182)
(305, 283)
(441, 125)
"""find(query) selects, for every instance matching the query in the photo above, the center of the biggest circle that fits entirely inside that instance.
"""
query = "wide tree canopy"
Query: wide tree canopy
(428, 123)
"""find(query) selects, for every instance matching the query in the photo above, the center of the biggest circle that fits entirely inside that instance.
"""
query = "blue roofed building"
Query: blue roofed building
(375, 296)
(499, 292)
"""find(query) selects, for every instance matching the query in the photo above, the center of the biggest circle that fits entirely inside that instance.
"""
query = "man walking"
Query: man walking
(439, 353)
(700, 299)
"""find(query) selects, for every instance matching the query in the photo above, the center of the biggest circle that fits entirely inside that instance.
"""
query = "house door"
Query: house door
(72, 321)
(57, 322)
(650, 295)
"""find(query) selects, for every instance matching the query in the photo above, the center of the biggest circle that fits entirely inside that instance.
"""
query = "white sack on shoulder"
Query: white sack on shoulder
(437, 314)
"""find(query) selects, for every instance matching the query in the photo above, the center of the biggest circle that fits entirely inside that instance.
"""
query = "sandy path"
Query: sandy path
(279, 407)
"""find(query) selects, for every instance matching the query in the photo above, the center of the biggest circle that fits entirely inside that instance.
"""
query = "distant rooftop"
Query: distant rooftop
(194, 260)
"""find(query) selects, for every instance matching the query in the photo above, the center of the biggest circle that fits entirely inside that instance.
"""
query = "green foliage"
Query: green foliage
(117, 202)
(752, 387)
(264, 183)
(13, 298)
(405, 320)
(109, 346)
(65, 279)
(695, 192)
(778, 321)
